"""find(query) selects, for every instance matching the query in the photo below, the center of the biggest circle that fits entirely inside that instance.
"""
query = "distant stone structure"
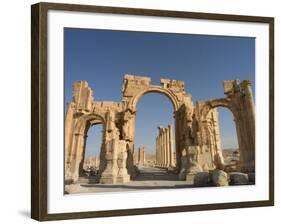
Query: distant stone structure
(135, 156)
(197, 136)
(165, 147)
(91, 162)
(141, 156)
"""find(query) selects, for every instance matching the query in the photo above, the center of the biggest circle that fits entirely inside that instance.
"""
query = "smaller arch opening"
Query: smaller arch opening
(93, 145)
(227, 142)
(228, 129)
(229, 139)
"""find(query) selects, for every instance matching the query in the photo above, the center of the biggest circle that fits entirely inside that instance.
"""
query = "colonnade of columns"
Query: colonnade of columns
(165, 147)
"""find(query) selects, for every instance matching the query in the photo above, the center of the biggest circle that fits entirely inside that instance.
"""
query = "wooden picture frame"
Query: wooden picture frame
(39, 109)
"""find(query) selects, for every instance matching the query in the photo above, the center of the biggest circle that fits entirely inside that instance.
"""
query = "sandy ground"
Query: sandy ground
(149, 178)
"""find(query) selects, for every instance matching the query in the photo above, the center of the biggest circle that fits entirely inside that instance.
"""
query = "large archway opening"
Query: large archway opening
(154, 111)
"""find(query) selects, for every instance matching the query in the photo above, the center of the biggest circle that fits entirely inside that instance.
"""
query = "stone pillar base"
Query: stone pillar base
(170, 168)
(190, 179)
(182, 175)
(123, 179)
(108, 179)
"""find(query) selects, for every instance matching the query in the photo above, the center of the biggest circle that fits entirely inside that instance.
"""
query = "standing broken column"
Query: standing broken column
(164, 147)
(156, 148)
(171, 144)
(161, 147)
(167, 147)
(249, 121)
(158, 151)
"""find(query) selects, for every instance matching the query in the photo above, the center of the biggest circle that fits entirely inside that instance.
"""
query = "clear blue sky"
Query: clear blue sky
(102, 58)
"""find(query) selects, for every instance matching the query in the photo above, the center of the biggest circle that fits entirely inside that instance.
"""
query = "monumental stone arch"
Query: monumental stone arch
(239, 100)
(197, 135)
(134, 87)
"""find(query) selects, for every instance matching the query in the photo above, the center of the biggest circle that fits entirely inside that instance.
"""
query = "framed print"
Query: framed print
(139, 111)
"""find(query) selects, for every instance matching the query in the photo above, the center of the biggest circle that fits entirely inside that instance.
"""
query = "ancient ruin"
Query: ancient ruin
(165, 147)
(197, 134)
(141, 156)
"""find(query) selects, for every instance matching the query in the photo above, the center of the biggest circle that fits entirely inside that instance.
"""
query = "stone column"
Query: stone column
(171, 143)
(165, 147)
(122, 174)
(69, 128)
(168, 148)
(250, 119)
(142, 156)
(178, 146)
(240, 141)
(245, 163)
(109, 175)
(246, 85)
(77, 157)
(156, 150)
(161, 148)
(82, 154)
(96, 162)
(159, 152)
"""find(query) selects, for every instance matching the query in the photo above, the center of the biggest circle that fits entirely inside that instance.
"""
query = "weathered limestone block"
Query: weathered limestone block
(193, 166)
(82, 95)
(202, 179)
(183, 170)
(69, 130)
(68, 175)
(109, 175)
(122, 175)
(133, 84)
(237, 178)
(110, 124)
(205, 167)
(230, 87)
(219, 178)
(189, 178)
(128, 126)
(219, 161)
(173, 84)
